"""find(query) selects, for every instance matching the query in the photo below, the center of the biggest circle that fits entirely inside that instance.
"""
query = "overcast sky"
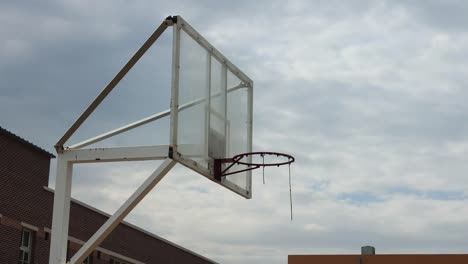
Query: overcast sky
(369, 96)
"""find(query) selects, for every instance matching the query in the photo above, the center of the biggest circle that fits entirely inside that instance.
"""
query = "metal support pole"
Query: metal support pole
(122, 212)
(61, 214)
(175, 85)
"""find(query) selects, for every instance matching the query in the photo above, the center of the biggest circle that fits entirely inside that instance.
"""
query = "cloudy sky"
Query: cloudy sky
(369, 96)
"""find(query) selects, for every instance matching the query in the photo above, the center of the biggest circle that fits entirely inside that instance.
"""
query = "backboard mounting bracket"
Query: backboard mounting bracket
(172, 18)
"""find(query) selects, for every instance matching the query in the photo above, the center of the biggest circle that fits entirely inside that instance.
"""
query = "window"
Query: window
(26, 246)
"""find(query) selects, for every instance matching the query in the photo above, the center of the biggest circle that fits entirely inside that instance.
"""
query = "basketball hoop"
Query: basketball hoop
(237, 160)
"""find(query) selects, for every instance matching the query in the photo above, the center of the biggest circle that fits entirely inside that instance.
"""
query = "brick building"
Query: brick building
(368, 256)
(26, 215)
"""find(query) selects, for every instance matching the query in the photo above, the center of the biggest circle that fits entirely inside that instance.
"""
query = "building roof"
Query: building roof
(380, 259)
(25, 142)
(136, 228)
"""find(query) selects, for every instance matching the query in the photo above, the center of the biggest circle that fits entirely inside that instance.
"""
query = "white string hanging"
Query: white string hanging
(290, 192)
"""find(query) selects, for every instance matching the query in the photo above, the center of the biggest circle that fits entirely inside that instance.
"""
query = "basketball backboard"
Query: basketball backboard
(211, 108)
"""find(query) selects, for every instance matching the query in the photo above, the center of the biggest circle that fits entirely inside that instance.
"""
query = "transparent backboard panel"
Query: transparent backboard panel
(193, 83)
(213, 112)
(237, 129)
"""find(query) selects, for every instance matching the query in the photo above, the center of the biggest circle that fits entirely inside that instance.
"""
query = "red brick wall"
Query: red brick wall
(9, 244)
(379, 259)
(41, 247)
(24, 171)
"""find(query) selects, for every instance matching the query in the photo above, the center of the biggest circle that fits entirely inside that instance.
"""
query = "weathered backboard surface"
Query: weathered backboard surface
(211, 108)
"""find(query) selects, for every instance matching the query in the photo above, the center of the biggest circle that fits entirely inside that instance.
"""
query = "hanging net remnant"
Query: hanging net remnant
(280, 159)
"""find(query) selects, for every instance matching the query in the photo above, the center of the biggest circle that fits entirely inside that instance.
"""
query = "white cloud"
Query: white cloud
(369, 97)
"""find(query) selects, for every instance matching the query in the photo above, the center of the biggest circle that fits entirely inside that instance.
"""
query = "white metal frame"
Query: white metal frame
(67, 157)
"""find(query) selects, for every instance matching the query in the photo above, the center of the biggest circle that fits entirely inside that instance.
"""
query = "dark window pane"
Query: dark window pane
(26, 238)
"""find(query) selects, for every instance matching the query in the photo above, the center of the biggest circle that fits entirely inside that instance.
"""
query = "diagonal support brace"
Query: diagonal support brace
(122, 212)
(148, 43)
